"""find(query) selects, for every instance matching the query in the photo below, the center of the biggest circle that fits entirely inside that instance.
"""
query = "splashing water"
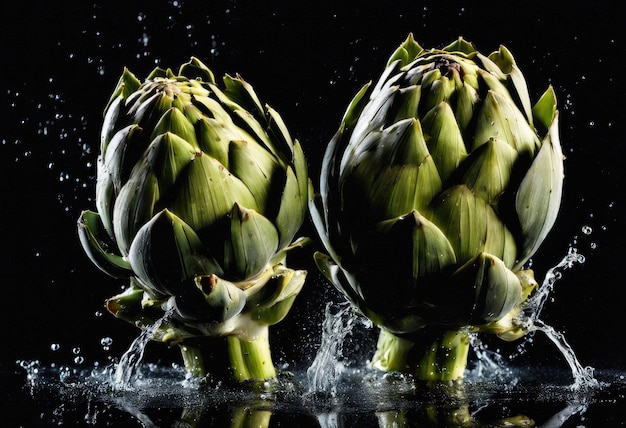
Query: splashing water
(128, 366)
(327, 368)
(583, 376)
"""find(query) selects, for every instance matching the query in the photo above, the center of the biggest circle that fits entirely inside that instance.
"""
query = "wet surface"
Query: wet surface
(163, 397)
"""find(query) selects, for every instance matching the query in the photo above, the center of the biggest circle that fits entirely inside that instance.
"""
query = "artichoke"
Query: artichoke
(200, 192)
(440, 184)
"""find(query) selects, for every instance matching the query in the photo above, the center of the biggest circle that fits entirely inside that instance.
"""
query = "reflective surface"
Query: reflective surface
(162, 397)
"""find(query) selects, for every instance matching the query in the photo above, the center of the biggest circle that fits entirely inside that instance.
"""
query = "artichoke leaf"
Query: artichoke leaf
(544, 110)
(126, 85)
(503, 58)
(123, 150)
(396, 176)
(539, 196)
(196, 69)
(408, 102)
(167, 156)
(134, 206)
(355, 107)
(278, 131)
(207, 192)
(406, 52)
(97, 246)
(214, 139)
(461, 45)
(224, 300)
(283, 289)
(174, 121)
(466, 100)
(500, 118)
(495, 289)
(237, 89)
(257, 168)
(253, 241)
(272, 314)
(167, 252)
(409, 241)
(444, 139)
(291, 209)
(489, 169)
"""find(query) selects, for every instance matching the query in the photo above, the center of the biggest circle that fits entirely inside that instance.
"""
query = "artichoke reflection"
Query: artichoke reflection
(440, 184)
(200, 192)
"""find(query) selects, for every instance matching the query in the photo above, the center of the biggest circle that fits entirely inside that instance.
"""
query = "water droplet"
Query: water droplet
(587, 230)
(55, 347)
(76, 350)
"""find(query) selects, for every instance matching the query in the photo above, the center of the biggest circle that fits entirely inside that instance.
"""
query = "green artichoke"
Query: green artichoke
(200, 192)
(440, 184)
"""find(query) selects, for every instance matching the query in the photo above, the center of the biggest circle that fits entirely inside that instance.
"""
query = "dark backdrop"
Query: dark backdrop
(61, 60)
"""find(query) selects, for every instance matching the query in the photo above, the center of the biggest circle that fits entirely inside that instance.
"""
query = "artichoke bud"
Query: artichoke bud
(201, 191)
(167, 252)
(443, 151)
(253, 241)
(223, 299)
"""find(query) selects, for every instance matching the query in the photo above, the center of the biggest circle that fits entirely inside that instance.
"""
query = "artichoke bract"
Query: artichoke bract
(200, 192)
(440, 184)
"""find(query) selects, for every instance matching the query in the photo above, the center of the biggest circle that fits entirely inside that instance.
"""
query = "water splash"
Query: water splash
(537, 302)
(327, 368)
(583, 376)
(128, 367)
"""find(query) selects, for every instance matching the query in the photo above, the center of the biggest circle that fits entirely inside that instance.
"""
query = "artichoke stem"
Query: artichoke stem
(251, 359)
(433, 354)
(392, 352)
(192, 358)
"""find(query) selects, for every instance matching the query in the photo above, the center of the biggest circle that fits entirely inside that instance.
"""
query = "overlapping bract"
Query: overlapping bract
(441, 183)
(200, 192)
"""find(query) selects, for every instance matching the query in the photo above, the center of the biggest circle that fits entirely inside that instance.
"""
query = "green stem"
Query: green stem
(432, 354)
(242, 357)
(392, 352)
(193, 360)
(251, 359)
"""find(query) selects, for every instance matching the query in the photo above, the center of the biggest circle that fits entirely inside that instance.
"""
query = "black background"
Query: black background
(61, 60)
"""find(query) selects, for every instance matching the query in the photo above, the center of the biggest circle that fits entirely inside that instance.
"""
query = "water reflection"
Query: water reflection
(166, 397)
